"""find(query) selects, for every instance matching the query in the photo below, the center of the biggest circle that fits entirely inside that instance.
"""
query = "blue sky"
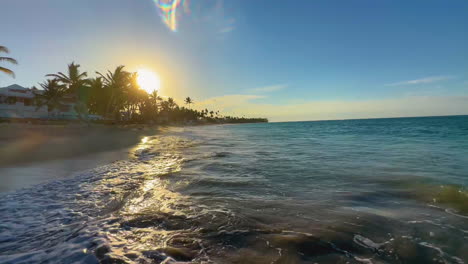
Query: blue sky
(287, 60)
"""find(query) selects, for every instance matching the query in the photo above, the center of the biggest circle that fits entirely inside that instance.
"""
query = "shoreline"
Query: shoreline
(32, 154)
(23, 143)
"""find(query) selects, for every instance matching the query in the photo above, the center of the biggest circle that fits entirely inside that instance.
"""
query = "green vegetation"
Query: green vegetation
(432, 192)
(453, 196)
(7, 59)
(116, 96)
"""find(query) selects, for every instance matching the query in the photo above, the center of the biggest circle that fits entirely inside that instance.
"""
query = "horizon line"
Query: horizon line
(364, 118)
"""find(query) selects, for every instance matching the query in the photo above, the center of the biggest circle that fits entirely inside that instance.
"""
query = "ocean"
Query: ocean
(351, 191)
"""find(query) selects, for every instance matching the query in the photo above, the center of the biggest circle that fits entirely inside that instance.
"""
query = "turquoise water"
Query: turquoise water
(352, 191)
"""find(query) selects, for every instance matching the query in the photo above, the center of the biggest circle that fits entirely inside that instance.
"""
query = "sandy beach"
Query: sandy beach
(32, 154)
(25, 143)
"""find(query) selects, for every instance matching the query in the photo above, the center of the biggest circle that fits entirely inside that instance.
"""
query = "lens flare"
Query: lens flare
(168, 12)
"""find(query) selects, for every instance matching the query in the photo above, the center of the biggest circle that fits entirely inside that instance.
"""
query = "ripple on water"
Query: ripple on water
(177, 200)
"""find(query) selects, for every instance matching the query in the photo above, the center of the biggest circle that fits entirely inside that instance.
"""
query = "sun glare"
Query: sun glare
(148, 80)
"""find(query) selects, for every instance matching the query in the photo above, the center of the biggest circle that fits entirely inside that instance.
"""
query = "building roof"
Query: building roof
(16, 90)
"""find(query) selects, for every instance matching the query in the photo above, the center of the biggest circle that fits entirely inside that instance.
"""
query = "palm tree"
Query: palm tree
(188, 101)
(75, 81)
(117, 83)
(97, 96)
(171, 103)
(155, 97)
(134, 97)
(52, 96)
(7, 59)
(77, 84)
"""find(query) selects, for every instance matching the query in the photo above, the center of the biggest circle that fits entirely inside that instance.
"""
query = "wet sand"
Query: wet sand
(32, 154)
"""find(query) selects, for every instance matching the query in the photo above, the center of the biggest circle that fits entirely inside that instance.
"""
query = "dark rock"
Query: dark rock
(101, 251)
(181, 254)
(112, 260)
(154, 255)
(132, 255)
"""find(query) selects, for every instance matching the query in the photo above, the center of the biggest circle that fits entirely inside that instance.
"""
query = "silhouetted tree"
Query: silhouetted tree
(76, 83)
(188, 101)
(171, 103)
(117, 96)
(52, 96)
(74, 79)
(116, 82)
(98, 96)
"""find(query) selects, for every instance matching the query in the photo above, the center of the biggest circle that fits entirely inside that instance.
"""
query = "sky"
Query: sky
(285, 60)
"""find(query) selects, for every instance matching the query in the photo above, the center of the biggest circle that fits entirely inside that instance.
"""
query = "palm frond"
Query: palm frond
(59, 76)
(53, 75)
(104, 77)
(7, 71)
(4, 49)
(8, 59)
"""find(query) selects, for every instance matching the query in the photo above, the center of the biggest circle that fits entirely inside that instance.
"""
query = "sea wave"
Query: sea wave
(183, 196)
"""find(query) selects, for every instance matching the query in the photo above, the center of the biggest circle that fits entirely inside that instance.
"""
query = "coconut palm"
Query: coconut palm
(98, 96)
(117, 83)
(116, 94)
(7, 59)
(52, 95)
(155, 98)
(188, 101)
(77, 86)
(134, 97)
(171, 103)
(74, 79)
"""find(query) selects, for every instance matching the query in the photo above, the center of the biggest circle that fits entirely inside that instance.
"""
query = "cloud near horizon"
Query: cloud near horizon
(268, 89)
(339, 109)
(426, 80)
(226, 102)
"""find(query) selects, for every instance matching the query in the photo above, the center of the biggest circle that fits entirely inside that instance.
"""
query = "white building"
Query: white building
(18, 102)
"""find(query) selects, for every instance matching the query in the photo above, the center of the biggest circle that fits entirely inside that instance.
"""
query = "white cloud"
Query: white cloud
(268, 89)
(426, 80)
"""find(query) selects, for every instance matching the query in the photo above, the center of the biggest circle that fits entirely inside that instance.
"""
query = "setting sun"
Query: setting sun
(148, 80)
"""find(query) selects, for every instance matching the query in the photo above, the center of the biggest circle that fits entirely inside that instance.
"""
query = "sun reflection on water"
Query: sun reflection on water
(139, 197)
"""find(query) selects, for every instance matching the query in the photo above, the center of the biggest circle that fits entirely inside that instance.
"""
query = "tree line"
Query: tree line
(116, 96)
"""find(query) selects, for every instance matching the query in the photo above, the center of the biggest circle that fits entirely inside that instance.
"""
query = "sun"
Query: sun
(148, 80)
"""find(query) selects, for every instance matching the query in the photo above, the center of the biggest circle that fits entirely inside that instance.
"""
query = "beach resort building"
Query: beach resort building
(18, 102)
